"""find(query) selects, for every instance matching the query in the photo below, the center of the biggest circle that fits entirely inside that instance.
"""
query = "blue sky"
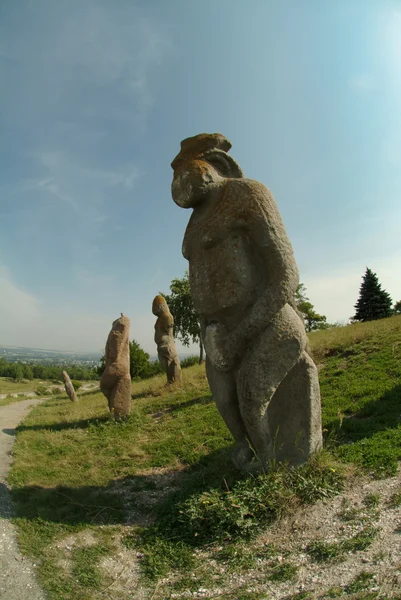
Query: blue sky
(97, 95)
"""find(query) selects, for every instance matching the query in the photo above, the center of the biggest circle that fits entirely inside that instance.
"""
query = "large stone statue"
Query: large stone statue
(243, 277)
(115, 382)
(166, 350)
(69, 388)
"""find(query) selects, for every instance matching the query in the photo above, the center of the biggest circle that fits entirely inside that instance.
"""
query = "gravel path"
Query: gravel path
(17, 580)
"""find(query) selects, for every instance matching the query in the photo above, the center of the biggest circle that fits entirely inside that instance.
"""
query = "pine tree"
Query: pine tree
(373, 302)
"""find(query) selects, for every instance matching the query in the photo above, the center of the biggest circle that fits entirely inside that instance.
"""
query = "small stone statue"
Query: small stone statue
(166, 350)
(115, 382)
(69, 388)
(243, 278)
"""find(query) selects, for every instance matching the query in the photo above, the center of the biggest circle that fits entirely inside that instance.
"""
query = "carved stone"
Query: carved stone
(166, 350)
(69, 388)
(115, 382)
(243, 278)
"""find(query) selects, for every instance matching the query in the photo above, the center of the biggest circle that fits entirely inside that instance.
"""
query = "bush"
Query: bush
(77, 384)
(189, 361)
(41, 390)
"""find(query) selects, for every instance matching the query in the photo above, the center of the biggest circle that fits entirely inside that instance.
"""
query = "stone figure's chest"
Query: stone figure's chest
(217, 232)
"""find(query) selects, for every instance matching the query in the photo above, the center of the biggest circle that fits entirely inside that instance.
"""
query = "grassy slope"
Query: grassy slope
(9, 386)
(77, 473)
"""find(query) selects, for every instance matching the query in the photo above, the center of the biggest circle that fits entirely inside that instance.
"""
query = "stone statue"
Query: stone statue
(69, 388)
(115, 382)
(166, 350)
(243, 277)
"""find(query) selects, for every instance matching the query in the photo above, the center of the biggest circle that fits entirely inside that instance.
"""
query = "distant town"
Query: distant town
(48, 357)
(38, 356)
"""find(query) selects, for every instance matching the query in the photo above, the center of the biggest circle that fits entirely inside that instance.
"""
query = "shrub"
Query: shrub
(41, 390)
(189, 361)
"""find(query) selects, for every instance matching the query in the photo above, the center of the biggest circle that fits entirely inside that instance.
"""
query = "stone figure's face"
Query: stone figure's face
(192, 181)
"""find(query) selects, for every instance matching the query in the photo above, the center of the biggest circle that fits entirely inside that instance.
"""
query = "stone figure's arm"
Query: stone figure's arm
(167, 323)
(265, 228)
(262, 222)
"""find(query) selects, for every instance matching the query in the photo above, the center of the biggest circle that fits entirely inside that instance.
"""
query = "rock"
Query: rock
(243, 279)
(115, 382)
(69, 388)
(164, 338)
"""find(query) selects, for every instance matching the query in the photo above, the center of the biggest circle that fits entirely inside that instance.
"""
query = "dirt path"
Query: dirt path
(17, 580)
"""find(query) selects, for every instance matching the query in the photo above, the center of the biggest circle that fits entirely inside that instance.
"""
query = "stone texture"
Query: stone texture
(166, 350)
(115, 382)
(69, 388)
(243, 278)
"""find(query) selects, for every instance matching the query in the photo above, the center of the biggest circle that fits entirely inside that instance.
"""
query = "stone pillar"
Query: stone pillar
(69, 388)
(243, 279)
(115, 382)
(164, 338)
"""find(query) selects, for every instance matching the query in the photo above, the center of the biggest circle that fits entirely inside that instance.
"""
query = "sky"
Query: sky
(97, 95)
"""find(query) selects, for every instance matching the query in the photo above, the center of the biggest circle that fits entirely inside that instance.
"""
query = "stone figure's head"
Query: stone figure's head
(121, 323)
(200, 166)
(159, 306)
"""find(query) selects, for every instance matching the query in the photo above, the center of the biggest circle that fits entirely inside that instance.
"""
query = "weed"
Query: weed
(85, 568)
(321, 551)
(283, 572)
(351, 514)
(361, 582)
(162, 556)
(237, 557)
(372, 500)
(361, 541)
(299, 596)
(395, 500)
(333, 592)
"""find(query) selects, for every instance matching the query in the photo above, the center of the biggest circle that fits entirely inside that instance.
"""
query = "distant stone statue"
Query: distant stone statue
(164, 339)
(69, 388)
(243, 278)
(115, 382)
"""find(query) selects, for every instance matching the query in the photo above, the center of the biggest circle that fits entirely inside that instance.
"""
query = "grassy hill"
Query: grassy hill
(151, 508)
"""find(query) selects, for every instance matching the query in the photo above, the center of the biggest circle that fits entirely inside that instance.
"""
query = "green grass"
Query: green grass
(283, 572)
(321, 551)
(395, 500)
(361, 392)
(163, 481)
(9, 386)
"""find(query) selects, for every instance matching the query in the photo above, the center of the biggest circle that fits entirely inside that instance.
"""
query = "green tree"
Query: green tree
(139, 364)
(18, 373)
(186, 319)
(397, 308)
(373, 302)
(312, 319)
(28, 373)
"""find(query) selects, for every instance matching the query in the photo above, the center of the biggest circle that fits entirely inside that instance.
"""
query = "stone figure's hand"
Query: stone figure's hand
(217, 348)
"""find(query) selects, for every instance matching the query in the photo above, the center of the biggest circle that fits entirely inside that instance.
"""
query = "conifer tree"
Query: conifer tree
(373, 302)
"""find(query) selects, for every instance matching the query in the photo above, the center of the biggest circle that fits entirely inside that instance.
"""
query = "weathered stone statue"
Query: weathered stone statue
(69, 388)
(243, 277)
(166, 350)
(115, 382)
